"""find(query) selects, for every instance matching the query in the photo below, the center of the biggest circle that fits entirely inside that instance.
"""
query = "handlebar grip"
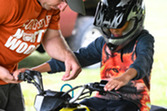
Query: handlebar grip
(28, 75)
(128, 89)
(21, 76)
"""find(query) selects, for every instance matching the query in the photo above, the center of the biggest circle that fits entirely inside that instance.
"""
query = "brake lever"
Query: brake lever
(33, 77)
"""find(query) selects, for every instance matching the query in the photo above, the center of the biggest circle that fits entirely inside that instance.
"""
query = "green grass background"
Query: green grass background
(155, 22)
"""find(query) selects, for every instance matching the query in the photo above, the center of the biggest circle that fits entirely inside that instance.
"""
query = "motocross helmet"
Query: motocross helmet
(77, 6)
(113, 14)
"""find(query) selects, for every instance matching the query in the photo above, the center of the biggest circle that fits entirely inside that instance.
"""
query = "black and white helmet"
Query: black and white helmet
(113, 14)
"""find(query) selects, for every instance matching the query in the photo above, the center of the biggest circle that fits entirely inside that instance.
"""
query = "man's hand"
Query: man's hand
(72, 67)
(6, 76)
(57, 48)
(17, 72)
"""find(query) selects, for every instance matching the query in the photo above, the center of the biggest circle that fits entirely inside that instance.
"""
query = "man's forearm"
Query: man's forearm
(55, 45)
(45, 67)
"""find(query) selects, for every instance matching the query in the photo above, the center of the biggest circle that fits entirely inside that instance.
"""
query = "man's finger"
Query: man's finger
(67, 73)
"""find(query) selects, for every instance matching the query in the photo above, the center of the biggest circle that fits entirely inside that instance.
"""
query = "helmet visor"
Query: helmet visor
(119, 39)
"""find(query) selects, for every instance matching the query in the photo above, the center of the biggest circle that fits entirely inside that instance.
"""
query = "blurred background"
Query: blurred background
(155, 22)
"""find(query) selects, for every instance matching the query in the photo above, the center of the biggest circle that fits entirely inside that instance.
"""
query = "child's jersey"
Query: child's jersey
(22, 27)
(114, 64)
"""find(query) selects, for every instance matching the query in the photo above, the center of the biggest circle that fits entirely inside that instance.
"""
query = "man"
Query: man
(24, 24)
(126, 54)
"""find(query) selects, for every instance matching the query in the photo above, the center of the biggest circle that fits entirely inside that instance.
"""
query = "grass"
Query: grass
(155, 22)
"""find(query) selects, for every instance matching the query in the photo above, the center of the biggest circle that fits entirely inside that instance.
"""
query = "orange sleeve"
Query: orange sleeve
(6, 11)
(54, 23)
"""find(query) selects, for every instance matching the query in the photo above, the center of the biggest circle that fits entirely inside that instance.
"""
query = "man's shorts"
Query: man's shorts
(11, 98)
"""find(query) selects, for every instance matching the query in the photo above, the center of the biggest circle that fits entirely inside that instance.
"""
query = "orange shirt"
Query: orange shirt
(22, 26)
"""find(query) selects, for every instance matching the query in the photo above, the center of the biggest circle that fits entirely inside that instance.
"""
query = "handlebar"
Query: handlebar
(99, 86)
(35, 78)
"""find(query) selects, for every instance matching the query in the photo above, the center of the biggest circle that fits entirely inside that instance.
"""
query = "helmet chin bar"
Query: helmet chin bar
(112, 47)
(115, 48)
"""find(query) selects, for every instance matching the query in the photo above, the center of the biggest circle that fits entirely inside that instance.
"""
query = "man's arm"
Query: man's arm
(56, 47)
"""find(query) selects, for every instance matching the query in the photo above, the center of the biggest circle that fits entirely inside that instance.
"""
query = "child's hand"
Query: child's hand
(118, 82)
(115, 83)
